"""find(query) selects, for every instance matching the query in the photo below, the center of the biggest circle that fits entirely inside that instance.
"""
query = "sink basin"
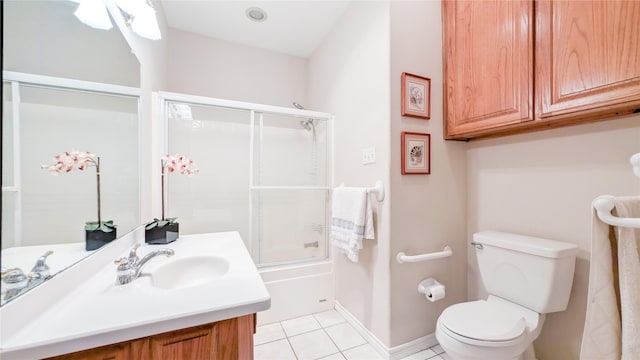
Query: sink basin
(189, 271)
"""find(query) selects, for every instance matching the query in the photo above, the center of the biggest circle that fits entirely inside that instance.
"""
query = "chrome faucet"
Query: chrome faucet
(129, 268)
(41, 270)
(17, 282)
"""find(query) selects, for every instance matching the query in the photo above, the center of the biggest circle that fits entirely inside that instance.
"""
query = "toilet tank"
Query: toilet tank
(533, 272)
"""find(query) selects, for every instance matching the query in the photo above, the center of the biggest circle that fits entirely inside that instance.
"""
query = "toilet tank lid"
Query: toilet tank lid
(526, 244)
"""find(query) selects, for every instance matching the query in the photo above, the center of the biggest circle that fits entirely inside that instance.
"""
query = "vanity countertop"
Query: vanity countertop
(98, 312)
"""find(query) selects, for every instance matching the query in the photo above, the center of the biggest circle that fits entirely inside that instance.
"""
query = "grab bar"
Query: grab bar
(402, 257)
(604, 204)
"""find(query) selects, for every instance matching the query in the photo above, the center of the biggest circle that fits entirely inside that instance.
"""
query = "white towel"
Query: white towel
(351, 220)
(601, 336)
(605, 335)
(629, 270)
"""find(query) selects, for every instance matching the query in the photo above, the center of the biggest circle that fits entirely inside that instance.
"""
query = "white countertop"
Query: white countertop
(98, 312)
(25, 257)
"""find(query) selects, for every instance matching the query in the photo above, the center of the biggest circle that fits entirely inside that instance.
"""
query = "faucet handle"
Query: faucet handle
(14, 278)
(132, 259)
(41, 269)
(133, 256)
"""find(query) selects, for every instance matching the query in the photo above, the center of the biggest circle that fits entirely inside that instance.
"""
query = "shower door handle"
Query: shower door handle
(311, 244)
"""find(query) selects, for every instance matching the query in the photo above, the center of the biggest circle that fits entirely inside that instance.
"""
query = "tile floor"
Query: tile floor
(326, 335)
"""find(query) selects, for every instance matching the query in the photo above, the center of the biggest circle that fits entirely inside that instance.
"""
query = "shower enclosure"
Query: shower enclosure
(264, 172)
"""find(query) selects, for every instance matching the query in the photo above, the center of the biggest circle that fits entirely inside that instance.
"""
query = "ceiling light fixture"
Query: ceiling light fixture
(256, 14)
(94, 14)
(140, 15)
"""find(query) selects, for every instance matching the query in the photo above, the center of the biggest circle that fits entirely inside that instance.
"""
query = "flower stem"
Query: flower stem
(98, 182)
(162, 186)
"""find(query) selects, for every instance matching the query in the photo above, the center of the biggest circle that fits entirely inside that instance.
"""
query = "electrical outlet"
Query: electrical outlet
(368, 155)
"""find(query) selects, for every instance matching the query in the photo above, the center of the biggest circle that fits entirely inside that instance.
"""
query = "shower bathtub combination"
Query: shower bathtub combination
(264, 172)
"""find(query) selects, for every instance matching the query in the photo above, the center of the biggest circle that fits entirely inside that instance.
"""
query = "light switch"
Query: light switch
(368, 155)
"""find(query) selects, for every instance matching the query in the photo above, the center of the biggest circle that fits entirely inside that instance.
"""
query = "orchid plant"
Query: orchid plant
(172, 163)
(67, 162)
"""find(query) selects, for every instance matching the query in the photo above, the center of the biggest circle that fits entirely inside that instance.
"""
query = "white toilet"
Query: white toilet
(526, 278)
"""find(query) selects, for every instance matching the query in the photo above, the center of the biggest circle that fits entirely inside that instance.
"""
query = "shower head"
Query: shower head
(307, 124)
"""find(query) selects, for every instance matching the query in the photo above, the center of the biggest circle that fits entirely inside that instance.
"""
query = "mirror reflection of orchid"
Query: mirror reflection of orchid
(172, 163)
(76, 160)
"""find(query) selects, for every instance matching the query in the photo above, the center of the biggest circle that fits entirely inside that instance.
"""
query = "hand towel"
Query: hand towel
(351, 220)
(605, 335)
(601, 335)
(629, 275)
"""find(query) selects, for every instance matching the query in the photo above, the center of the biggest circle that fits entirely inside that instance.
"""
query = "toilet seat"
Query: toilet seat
(483, 322)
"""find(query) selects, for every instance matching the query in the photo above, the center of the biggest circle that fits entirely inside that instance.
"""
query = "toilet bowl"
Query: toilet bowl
(488, 329)
(525, 278)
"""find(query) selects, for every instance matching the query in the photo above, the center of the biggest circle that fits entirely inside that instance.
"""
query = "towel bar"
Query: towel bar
(402, 258)
(604, 204)
(377, 190)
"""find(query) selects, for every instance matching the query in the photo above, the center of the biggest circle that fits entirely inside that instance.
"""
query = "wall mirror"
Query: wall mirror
(66, 87)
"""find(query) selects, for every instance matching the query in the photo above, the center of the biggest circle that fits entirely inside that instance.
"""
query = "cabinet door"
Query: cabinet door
(488, 65)
(190, 344)
(230, 339)
(234, 338)
(587, 56)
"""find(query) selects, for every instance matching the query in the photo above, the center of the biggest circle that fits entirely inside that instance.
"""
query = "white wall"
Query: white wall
(427, 211)
(542, 184)
(45, 38)
(211, 67)
(349, 77)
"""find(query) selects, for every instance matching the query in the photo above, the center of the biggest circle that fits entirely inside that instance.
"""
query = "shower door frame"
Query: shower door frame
(162, 97)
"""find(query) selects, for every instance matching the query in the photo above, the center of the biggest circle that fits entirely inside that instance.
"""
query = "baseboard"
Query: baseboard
(394, 353)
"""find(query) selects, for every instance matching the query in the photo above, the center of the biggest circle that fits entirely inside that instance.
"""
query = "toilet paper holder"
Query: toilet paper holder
(432, 289)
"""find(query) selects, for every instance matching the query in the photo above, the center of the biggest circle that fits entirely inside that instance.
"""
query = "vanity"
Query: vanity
(198, 303)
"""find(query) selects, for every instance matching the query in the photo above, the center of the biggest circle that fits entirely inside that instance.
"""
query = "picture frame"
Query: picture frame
(416, 96)
(416, 153)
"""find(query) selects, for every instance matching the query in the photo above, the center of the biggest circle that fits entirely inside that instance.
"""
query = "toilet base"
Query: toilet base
(459, 351)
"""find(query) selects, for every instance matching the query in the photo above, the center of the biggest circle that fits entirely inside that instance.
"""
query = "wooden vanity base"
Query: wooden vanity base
(230, 339)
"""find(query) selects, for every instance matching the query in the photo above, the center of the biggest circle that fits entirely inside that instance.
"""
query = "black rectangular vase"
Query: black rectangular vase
(97, 238)
(162, 235)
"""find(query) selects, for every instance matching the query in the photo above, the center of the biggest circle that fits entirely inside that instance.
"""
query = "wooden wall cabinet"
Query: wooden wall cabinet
(230, 339)
(516, 66)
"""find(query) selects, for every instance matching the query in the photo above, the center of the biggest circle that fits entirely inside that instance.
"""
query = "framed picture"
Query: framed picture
(416, 153)
(416, 96)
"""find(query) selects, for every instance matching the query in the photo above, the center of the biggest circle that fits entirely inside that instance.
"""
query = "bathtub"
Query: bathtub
(298, 290)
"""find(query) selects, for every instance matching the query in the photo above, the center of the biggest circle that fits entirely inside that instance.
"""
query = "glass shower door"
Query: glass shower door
(217, 139)
(263, 174)
(290, 188)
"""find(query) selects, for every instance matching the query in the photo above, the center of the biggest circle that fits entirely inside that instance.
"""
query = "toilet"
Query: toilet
(526, 278)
